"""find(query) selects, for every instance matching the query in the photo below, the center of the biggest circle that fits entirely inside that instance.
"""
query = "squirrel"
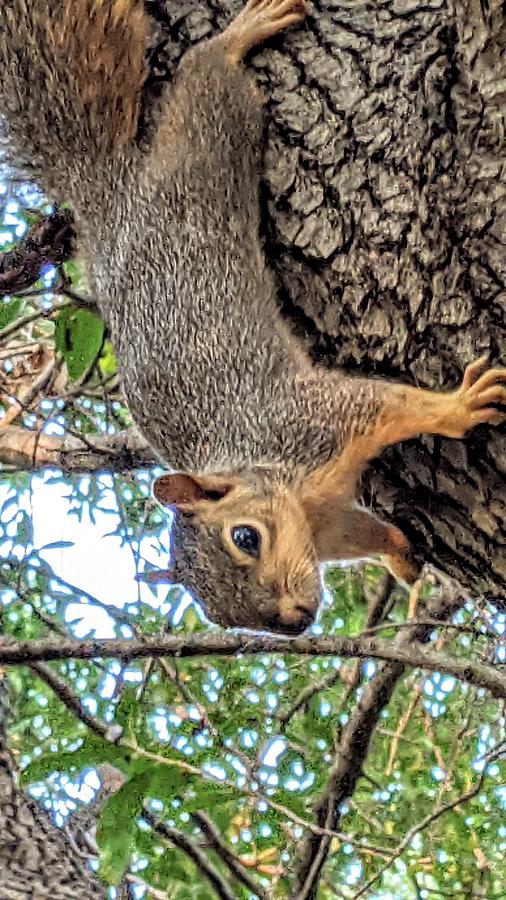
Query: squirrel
(264, 449)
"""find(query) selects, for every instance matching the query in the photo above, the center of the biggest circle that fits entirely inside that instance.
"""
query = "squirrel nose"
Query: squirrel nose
(291, 617)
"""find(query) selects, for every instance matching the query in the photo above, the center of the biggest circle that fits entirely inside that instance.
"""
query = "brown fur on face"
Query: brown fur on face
(278, 591)
(299, 525)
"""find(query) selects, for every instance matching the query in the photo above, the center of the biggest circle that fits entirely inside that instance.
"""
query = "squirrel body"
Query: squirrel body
(267, 450)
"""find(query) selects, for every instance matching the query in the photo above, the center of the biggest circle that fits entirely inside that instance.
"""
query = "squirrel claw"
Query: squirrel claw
(469, 405)
(474, 370)
(258, 21)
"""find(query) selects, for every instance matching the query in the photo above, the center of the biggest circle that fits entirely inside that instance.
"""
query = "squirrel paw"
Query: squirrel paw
(469, 405)
(398, 559)
(258, 21)
(402, 569)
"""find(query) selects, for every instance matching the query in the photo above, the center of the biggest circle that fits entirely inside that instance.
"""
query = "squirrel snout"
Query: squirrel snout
(291, 617)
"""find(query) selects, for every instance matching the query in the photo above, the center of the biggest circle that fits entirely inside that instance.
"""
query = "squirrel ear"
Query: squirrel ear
(185, 491)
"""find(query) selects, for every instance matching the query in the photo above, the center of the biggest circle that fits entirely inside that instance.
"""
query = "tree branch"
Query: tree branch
(48, 241)
(23, 321)
(216, 843)
(214, 643)
(440, 810)
(375, 613)
(30, 450)
(151, 892)
(193, 851)
(356, 737)
(65, 694)
(67, 697)
(112, 734)
(21, 404)
(24, 825)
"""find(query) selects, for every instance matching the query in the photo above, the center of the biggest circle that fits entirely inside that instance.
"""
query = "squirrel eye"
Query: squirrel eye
(246, 539)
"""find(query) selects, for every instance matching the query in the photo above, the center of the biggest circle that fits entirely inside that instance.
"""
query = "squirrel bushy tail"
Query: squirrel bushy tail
(70, 80)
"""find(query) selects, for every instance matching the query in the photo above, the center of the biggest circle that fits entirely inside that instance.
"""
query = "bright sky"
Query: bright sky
(97, 563)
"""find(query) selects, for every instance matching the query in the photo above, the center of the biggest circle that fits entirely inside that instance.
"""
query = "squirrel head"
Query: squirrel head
(244, 548)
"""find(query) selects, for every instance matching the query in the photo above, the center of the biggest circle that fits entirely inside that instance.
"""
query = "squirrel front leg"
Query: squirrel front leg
(408, 412)
(372, 415)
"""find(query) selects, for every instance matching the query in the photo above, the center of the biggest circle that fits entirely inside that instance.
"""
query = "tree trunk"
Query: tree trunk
(385, 221)
(36, 859)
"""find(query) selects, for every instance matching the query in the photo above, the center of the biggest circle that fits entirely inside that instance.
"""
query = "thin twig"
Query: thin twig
(120, 452)
(65, 694)
(68, 698)
(184, 843)
(193, 851)
(305, 695)
(355, 741)
(257, 796)
(216, 843)
(15, 349)
(468, 628)
(152, 892)
(22, 403)
(374, 615)
(20, 323)
(401, 727)
(426, 821)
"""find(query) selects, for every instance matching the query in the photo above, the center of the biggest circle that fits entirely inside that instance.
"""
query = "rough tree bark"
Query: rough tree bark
(385, 221)
(36, 859)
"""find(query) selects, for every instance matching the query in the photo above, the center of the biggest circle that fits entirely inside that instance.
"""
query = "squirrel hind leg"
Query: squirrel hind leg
(258, 21)
(402, 568)
(397, 555)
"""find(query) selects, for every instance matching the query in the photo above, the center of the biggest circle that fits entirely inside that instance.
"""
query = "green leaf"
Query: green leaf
(165, 782)
(9, 311)
(117, 827)
(57, 545)
(107, 361)
(79, 334)
(76, 272)
(210, 796)
(190, 621)
(92, 752)
(171, 865)
(128, 711)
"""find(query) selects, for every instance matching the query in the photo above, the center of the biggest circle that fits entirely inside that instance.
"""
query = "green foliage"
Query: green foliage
(107, 361)
(78, 337)
(10, 310)
(89, 751)
(199, 741)
(118, 825)
(74, 270)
